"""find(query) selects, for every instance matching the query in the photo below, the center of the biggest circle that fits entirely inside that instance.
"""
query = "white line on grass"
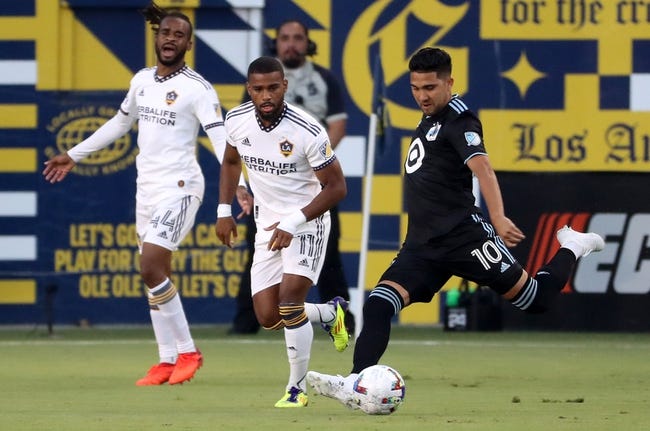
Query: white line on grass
(428, 343)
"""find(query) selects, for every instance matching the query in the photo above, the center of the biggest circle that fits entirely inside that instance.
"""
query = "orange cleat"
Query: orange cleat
(157, 375)
(186, 366)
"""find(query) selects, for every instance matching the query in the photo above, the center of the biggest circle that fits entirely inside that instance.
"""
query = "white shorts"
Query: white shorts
(304, 256)
(167, 222)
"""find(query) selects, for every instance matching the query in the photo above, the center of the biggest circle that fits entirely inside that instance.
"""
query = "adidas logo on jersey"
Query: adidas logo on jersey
(504, 267)
(163, 235)
(141, 93)
(246, 142)
(303, 262)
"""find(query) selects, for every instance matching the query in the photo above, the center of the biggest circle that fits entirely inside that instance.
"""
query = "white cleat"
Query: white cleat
(580, 243)
(336, 387)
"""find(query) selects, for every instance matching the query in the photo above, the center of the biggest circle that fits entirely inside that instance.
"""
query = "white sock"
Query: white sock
(320, 313)
(172, 309)
(348, 382)
(164, 337)
(298, 341)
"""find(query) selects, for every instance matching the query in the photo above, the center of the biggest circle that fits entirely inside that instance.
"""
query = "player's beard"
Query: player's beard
(293, 60)
(179, 58)
(271, 116)
(292, 63)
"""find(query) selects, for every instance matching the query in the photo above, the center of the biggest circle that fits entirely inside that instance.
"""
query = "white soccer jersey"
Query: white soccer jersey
(170, 111)
(280, 159)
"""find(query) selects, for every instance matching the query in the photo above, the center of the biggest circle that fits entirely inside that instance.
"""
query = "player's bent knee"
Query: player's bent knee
(268, 317)
(274, 327)
(383, 300)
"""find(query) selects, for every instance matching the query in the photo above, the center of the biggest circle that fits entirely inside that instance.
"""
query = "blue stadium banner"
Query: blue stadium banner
(561, 87)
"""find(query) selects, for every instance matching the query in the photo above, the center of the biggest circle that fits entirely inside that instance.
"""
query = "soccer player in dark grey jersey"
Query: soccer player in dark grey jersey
(438, 180)
(447, 234)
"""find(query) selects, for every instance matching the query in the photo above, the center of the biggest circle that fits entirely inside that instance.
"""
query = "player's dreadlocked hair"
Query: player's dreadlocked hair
(154, 15)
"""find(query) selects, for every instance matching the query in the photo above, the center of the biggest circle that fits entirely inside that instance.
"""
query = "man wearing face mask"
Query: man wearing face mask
(316, 90)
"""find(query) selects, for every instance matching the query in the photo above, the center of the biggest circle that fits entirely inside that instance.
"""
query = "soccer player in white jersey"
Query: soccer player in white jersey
(295, 178)
(170, 102)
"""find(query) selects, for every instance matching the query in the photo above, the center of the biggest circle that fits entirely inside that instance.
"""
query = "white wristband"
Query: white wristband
(291, 222)
(224, 210)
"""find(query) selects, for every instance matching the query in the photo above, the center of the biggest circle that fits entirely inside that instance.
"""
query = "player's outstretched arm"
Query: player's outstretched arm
(57, 168)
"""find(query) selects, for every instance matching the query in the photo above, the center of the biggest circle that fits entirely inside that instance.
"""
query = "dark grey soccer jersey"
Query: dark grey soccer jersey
(437, 181)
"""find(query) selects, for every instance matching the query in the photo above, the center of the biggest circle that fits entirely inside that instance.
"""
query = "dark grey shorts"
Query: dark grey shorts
(472, 250)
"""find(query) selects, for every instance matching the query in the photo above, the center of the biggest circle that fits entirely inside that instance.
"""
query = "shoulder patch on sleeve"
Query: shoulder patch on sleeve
(326, 149)
(472, 138)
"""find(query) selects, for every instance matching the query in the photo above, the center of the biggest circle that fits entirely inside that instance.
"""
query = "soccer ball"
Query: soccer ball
(379, 390)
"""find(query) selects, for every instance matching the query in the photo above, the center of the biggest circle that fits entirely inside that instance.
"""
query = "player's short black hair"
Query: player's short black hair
(154, 14)
(265, 65)
(431, 60)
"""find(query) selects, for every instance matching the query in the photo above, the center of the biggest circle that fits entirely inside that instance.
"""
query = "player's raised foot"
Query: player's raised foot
(294, 397)
(337, 387)
(578, 242)
(336, 329)
(157, 375)
(186, 366)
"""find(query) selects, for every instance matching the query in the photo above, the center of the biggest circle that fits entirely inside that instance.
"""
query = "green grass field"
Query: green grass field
(83, 379)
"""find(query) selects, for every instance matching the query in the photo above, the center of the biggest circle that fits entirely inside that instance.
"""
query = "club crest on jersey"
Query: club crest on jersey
(472, 138)
(432, 134)
(325, 149)
(171, 97)
(286, 148)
